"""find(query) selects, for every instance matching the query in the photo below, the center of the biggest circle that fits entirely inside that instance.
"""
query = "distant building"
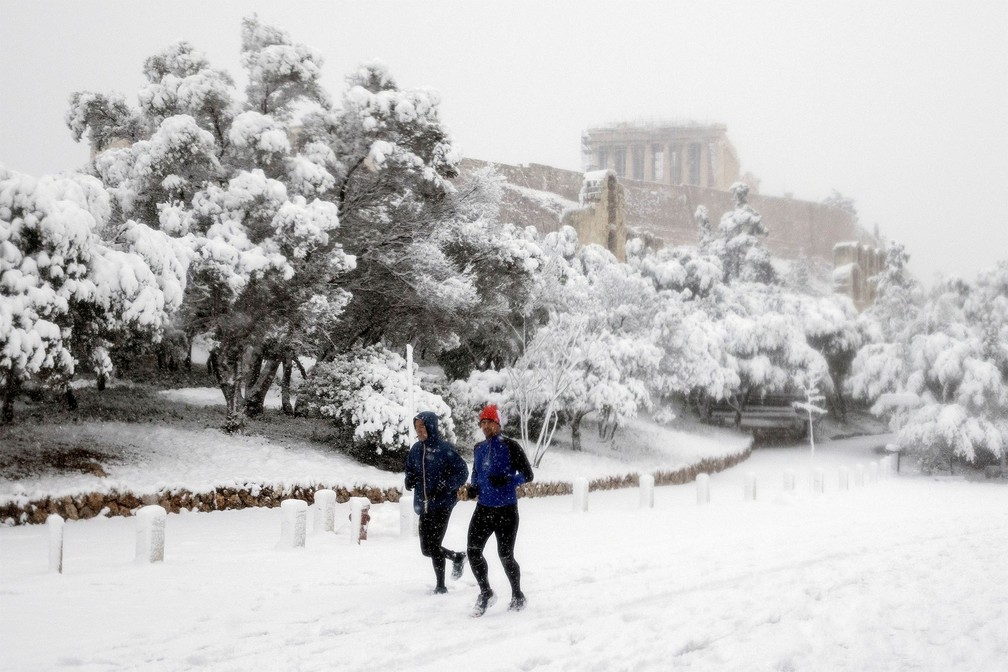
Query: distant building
(687, 153)
(601, 217)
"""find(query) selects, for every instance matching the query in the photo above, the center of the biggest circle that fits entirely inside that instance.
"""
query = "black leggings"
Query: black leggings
(502, 521)
(433, 526)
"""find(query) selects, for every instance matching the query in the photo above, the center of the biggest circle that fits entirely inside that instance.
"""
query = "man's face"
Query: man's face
(421, 430)
(489, 427)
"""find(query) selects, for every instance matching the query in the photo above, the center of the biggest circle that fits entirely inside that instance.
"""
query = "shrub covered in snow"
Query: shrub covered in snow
(366, 392)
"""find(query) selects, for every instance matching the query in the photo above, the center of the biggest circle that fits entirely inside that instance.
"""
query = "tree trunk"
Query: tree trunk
(256, 393)
(253, 366)
(188, 357)
(101, 381)
(576, 431)
(285, 396)
(841, 403)
(10, 392)
(304, 377)
(71, 398)
(228, 365)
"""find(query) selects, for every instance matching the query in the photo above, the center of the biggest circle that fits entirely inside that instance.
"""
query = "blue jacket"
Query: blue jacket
(435, 469)
(500, 465)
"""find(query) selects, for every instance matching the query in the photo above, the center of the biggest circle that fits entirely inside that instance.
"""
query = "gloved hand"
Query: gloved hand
(410, 483)
(472, 491)
(499, 480)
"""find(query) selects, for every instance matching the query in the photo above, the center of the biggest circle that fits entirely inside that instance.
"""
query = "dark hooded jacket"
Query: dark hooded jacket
(434, 469)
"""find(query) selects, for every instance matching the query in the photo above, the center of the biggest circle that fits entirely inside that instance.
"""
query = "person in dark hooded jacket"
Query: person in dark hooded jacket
(435, 472)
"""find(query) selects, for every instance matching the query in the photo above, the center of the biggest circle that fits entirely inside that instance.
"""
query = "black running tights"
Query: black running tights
(503, 522)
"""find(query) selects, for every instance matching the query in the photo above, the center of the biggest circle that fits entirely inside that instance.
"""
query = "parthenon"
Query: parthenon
(687, 153)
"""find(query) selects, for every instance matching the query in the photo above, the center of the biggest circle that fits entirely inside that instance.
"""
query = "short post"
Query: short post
(55, 524)
(580, 488)
(885, 467)
(873, 472)
(360, 516)
(817, 480)
(408, 521)
(293, 523)
(647, 491)
(150, 533)
(750, 486)
(789, 480)
(325, 510)
(844, 480)
(703, 489)
(894, 452)
(859, 475)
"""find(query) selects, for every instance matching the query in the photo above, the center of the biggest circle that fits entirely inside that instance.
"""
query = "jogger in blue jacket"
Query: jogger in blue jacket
(435, 472)
(500, 465)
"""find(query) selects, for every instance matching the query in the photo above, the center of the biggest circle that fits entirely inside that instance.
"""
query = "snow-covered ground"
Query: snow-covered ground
(144, 459)
(904, 574)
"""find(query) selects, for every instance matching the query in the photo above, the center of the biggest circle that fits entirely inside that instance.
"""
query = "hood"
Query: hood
(430, 421)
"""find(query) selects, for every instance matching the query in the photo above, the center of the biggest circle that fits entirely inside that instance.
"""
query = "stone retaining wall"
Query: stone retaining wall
(114, 503)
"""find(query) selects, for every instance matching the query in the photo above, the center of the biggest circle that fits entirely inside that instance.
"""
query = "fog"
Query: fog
(901, 106)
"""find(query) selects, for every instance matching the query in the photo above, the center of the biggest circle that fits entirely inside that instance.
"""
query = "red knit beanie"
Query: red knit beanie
(490, 413)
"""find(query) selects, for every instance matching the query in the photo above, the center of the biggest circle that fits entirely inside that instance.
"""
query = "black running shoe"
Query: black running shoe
(457, 564)
(483, 602)
(517, 602)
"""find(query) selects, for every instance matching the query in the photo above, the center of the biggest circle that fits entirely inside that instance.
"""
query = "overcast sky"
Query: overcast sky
(902, 106)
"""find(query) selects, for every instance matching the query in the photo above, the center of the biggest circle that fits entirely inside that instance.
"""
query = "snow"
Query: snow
(895, 575)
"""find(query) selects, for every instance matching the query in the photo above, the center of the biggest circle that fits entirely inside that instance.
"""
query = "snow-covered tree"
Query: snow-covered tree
(393, 161)
(898, 295)
(743, 254)
(65, 292)
(695, 364)
(768, 349)
(684, 270)
(833, 327)
(538, 380)
(944, 359)
(223, 176)
(507, 270)
(614, 380)
(844, 203)
(812, 405)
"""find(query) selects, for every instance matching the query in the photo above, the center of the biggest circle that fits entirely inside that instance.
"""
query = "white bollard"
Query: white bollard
(325, 511)
(844, 480)
(293, 523)
(859, 475)
(408, 520)
(360, 516)
(750, 487)
(817, 480)
(55, 524)
(580, 487)
(647, 491)
(885, 466)
(873, 472)
(789, 480)
(703, 489)
(150, 533)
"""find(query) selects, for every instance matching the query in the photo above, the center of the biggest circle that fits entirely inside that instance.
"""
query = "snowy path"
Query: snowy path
(908, 574)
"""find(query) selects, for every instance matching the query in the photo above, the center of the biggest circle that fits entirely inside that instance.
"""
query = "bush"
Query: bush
(366, 394)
